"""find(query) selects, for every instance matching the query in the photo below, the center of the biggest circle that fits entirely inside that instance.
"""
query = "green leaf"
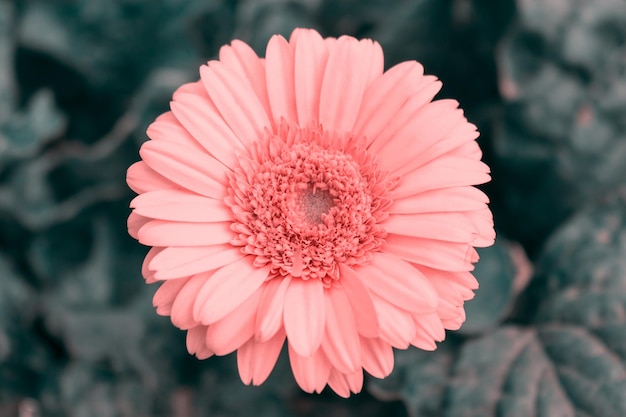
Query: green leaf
(503, 271)
(419, 379)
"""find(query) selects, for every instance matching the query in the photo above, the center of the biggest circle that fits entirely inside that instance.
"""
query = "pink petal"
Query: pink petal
(145, 269)
(166, 233)
(196, 344)
(343, 384)
(279, 73)
(429, 325)
(182, 308)
(463, 279)
(198, 172)
(311, 373)
(167, 127)
(385, 96)
(204, 122)
(399, 283)
(449, 171)
(141, 178)
(341, 341)
(304, 315)
(176, 262)
(240, 57)
(195, 87)
(397, 326)
(441, 200)
(376, 59)
(180, 205)
(236, 101)
(311, 56)
(255, 360)
(134, 223)
(269, 318)
(428, 87)
(428, 126)
(424, 342)
(456, 322)
(345, 79)
(460, 140)
(482, 220)
(362, 305)
(226, 289)
(377, 356)
(448, 256)
(236, 328)
(165, 295)
(451, 227)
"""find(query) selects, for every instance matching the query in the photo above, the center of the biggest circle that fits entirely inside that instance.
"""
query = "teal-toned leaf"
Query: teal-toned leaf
(419, 379)
(503, 272)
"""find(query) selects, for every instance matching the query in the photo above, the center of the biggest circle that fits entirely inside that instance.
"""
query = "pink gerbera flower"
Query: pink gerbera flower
(312, 198)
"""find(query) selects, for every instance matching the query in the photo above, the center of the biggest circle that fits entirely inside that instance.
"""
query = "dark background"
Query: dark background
(545, 82)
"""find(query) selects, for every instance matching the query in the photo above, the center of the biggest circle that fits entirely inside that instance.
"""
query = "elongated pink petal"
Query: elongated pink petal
(427, 126)
(194, 87)
(311, 373)
(204, 122)
(148, 274)
(343, 383)
(484, 234)
(236, 328)
(377, 356)
(182, 308)
(429, 325)
(180, 205)
(304, 315)
(448, 256)
(255, 359)
(361, 302)
(399, 283)
(346, 77)
(134, 223)
(424, 342)
(385, 96)
(429, 87)
(167, 127)
(165, 295)
(240, 57)
(311, 55)
(451, 227)
(442, 200)
(279, 73)
(236, 101)
(459, 141)
(445, 172)
(141, 178)
(341, 341)
(226, 289)
(269, 318)
(176, 262)
(196, 344)
(397, 326)
(193, 170)
(166, 233)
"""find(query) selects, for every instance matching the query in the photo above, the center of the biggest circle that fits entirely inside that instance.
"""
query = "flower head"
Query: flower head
(312, 198)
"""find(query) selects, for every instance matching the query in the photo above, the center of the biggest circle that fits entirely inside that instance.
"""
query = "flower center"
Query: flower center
(305, 200)
(314, 202)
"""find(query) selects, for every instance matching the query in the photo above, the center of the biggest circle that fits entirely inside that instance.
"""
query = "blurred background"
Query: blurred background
(545, 82)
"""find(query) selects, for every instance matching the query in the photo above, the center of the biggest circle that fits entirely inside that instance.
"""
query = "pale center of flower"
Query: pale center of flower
(313, 202)
(305, 201)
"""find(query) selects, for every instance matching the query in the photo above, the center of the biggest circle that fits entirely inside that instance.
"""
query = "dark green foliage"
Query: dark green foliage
(544, 81)
(562, 72)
